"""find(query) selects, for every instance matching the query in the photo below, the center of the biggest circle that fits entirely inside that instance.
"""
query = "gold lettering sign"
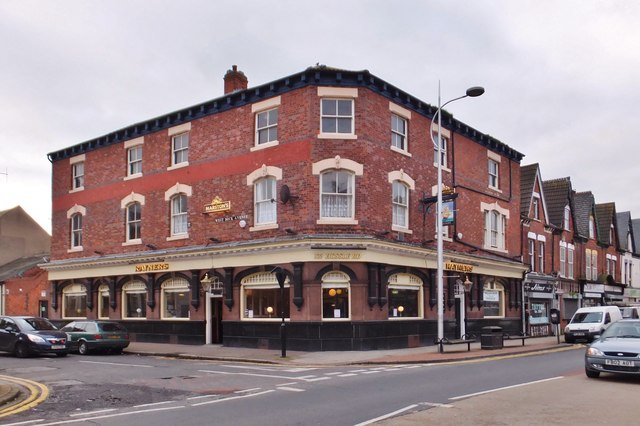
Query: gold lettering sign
(458, 267)
(338, 256)
(152, 267)
(217, 206)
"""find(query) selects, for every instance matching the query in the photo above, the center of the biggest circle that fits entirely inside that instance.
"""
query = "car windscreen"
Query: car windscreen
(35, 324)
(586, 317)
(623, 330)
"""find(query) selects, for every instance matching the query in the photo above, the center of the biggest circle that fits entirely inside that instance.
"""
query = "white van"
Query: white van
(587, 323)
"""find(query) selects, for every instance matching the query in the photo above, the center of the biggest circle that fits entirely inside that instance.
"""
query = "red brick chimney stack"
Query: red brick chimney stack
(234, 80)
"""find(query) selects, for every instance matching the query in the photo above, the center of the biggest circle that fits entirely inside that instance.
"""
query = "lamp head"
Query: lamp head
(475, 91)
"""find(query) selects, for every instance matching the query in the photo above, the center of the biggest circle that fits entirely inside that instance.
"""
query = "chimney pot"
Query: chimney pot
(234, 80)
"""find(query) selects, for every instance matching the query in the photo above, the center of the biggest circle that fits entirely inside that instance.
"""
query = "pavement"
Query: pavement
(10, 393)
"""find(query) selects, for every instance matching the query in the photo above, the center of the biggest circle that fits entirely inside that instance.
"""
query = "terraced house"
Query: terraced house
(175, 225)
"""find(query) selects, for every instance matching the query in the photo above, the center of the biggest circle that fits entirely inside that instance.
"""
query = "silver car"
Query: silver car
(616, 351)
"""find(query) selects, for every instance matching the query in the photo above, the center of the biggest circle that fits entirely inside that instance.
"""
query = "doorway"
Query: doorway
(43, 308)
(214, 319)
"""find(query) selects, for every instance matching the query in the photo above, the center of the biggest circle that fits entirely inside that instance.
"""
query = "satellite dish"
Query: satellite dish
(285, 194)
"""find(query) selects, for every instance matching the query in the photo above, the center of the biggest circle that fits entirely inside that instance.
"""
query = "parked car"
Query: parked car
(631, 312)
(616, 350)
(589, 322)
(24, 336)
(86, 336)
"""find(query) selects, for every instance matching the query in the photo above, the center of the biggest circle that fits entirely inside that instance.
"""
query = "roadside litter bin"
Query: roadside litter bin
(491, 337)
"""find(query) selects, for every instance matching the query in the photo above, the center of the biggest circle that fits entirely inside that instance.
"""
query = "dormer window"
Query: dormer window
(592, 228)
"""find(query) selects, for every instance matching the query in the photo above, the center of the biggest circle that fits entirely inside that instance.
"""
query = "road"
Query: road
(128, 389)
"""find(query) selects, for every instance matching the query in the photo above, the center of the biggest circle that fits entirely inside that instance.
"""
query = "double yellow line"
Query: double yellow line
(38, 393)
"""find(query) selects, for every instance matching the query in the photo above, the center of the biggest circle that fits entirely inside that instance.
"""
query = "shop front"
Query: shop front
(539, 291)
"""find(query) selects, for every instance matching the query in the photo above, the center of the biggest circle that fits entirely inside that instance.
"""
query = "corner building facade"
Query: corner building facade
(174, 226)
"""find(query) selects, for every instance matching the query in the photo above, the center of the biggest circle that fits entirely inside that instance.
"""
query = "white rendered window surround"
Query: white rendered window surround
(133, 149)
(570, 254)
(134, 300)
(337, 112)
(77, 164)
(400, 118)
(337, 166)
(174, 300)
(266, 123)
(394, 178)
(493, 300)
(103, 301)
(178, 211)
(260, 179)
(567, 216)
(180, 140)
(446, 137)
(74, 302)
(75, 215)
(495, 226)
(405, 296)
(125, 205)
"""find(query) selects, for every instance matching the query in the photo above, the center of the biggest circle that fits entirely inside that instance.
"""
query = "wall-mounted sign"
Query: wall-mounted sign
(217, 206)
(538, 287)
(458, 267)
(340, 255)
(152, 267)
(230, 218)
(448, 212)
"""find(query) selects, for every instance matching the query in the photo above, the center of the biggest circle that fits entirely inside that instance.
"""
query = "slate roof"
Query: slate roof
(624, 228)
(527, 182)
(605, 218)
(16, 268)
(583, 204)
(557, 194)
(318, 75)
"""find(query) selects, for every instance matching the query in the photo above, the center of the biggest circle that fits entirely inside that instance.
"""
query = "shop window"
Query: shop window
(493, 300)
(103, 301)
(175, 299)
(74, 302)
(336, 298)
(405, 296)
(538, 313)
(134, 300)
(261, 297)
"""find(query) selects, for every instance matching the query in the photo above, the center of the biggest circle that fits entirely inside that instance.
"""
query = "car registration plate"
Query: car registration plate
(620, 362)
(578, 333)
(113, 337)
(58, 346)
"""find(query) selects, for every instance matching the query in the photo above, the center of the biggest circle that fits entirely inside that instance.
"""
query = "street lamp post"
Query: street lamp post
(471, 92)
(281, 277)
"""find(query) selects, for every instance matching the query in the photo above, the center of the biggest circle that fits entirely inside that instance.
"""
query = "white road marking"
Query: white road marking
(372, 372)
(106, 416)
(386, 416)
(504, 388)
(334, 373)
(317, 379)
(288, 370)
(91, 413)
(273, 376)
(151, 404)
(247, 390)
(286, 388)
(28, 422)
(287, 384)
(233, 397)
(347, 375)
(356, 371)
(117, 363)
(201, 397)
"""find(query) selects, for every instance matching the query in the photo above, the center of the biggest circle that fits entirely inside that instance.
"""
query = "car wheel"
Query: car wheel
(22, 351)
(568, 339)
(592, 374)
(116, 351)
(83, 349)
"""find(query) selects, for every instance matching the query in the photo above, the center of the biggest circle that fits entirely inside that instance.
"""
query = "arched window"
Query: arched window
(179, 214)
(405, 296)
(74, 302)
(175, 299)
(134, 221)
(103, 301)
(336, 297)
(265, 201)
(493, 300)
(261, 298)
(336, 194)
(134, 300)
(76, 230)
(400, 202)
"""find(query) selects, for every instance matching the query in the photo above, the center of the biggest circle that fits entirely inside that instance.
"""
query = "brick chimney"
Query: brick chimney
(234, 80)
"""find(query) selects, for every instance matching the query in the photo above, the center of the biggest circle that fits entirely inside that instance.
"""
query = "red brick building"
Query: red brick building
(329, 174)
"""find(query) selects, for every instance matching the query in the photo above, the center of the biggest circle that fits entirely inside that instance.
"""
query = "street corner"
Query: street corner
(18, 395)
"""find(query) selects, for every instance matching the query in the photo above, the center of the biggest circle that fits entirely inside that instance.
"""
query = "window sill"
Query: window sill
(404, 318)
(132, 243)
(335, 319)
(133, 176)
(401, 229)
(400, 151)
(264, 145)
(264, 227)
(78, 189)
(336, 222)
(134, 318)
(493, 188)
(178, 237)
(178, 166)
(274, 319)
(75, 249)
(495, 249)
(444, 168)
(174, 319)
(349, 136)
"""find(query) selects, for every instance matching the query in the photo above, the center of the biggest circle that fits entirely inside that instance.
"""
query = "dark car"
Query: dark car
(87, 335)
(25, 336)
(616, 351)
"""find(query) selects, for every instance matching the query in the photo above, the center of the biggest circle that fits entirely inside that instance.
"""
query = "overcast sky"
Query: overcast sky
(561, 76)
